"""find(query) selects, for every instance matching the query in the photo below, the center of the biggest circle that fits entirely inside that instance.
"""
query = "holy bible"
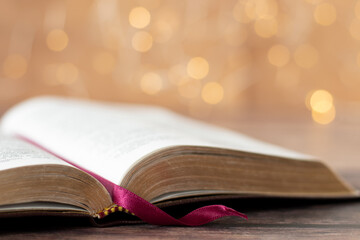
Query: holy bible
(76, 157)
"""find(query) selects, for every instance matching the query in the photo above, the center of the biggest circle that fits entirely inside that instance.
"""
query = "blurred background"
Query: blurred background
(234, 59)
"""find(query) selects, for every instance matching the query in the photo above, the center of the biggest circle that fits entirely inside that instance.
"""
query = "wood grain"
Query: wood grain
(278, 219)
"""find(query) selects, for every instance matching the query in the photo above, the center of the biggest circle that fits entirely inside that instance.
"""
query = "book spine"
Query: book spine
(114, 208)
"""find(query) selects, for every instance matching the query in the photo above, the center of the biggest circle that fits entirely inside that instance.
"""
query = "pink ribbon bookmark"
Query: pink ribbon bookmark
(148, 212)
(151, 214)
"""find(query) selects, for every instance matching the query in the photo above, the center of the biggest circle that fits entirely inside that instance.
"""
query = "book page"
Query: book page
(40, 206)
(17, 153)
(108, 139)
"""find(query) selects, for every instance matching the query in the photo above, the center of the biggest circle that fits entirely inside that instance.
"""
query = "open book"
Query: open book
(63, 156)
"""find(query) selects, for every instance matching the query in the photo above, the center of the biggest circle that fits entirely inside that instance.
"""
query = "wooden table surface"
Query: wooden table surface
(337, 144)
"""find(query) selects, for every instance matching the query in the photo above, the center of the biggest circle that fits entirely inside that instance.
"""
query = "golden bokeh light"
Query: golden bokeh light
(321, 101)
(325, 14)
(142, 41)
(103, 62)
(57, 40)
(151, 83)
(324, 118)
(279, 55)
(306, 56)
(67, 73)
(266, 28)
(265, 9)
(139, 17)
(15, 66)
(190, 88)
(212, 93)
(198, 68)
(246, 11)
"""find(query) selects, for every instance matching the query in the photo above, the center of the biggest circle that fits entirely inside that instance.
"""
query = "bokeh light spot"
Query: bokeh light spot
(57, 40)
(212, 93)
(142, 41)
(139, 17)
(151, 83)
(198, 68)
(67, 73)
(324, 118)
(279, 55)
(15, 66)
(321, 101)
(325, 14)
(266, 28)
(267, 9)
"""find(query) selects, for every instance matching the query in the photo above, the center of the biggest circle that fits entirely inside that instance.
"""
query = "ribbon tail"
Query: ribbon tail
(208, 214)
(151, 214)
